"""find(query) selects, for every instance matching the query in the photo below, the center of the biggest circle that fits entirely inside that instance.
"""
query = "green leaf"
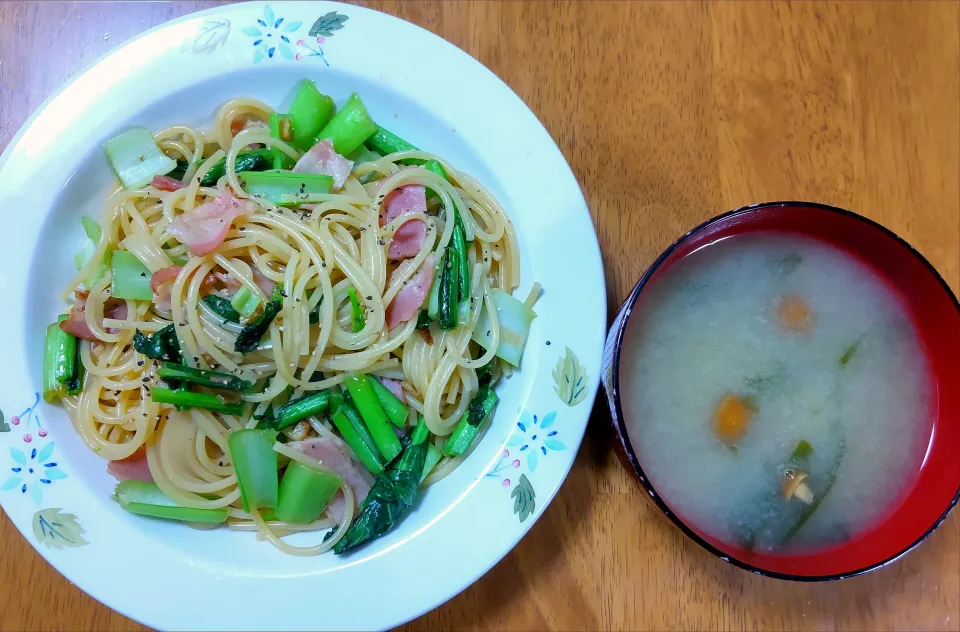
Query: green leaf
(789, 263)
(57, 530)
(571, 379)
(4, 427)
(327, 24)
(524, 498)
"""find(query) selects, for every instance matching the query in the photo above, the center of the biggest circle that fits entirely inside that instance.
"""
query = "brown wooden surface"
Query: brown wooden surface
(669, 113)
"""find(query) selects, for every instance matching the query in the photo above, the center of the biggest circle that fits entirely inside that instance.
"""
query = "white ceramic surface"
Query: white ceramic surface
(166, 575)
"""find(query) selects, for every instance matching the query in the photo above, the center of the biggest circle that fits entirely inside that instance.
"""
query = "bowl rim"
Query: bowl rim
(618, 416)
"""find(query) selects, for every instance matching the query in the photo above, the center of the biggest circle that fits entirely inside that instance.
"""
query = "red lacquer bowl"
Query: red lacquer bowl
(936, 315)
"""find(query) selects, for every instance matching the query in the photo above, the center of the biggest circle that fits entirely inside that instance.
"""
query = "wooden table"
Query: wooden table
(669, 113)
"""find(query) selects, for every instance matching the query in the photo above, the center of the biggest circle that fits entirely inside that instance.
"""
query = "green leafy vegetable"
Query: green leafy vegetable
(394, 491)
(222, 308)
(162, 345)
(850, 352)
(249, 337)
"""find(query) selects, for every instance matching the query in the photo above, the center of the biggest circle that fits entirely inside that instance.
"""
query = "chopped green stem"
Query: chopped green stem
(395, 409)
(310, 111)
(435, 167)
(292, 412)
(136, 159)
(195, 400)
(358, 319)
(374, 417)
(829, 480)
(305, 493)
(351, 428)
(480, 409)
(284, 187)
(449, 288)
(147, 499)
(460, 245)
(433, 457)
(280, 123)
(424, 320)
(222, 308)
(349, 127)
(256, 160)
(130, 278)
(203, 377)
(244, 302)
(52, 388)
(386, 142)
(255, 462)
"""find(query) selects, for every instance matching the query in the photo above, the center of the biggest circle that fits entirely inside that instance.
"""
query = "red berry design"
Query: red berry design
(15, 420)
(27, 438)
(299, 56)
(506, 453)
(516, 463)
(300, 42)
(42, 432)
(506, 482)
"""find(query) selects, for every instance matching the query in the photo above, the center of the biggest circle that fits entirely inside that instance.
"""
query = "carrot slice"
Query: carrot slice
(731, 418)
(794, 314)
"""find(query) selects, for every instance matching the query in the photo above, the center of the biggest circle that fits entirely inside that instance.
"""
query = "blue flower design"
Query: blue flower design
(269, 36)
(536, 438)
(31, 472)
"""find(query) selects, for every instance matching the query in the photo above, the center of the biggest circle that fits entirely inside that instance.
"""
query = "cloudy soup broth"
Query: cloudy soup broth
(776, 392)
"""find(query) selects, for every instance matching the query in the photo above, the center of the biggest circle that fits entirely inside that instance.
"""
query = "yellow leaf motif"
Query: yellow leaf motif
(57, 530)
(571, 379)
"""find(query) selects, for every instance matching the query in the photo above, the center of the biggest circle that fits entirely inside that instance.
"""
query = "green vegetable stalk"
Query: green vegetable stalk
(305, 493)
(255, 462)
(374, 417)
(480, 409)
(351, 428)
(349, 127)
(187, 399)
(211, 379)
(310, 111)
(147, 499)
(358, 321)
(292, 412)
(396, 410)
(256, 160)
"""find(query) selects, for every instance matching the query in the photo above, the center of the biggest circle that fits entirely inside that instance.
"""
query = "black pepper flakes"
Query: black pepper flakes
(139, 362)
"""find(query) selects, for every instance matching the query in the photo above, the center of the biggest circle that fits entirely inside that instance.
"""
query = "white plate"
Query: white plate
(169, 576)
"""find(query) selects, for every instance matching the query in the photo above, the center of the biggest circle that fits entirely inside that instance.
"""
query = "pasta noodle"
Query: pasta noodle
(320, 254)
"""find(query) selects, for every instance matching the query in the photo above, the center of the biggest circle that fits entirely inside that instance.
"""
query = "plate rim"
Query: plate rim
(591, 245)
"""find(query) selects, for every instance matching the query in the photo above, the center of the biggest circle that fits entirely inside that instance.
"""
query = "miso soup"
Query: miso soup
(776, 392)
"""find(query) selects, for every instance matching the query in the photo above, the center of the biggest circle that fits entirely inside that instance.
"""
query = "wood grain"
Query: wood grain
(669, 113)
